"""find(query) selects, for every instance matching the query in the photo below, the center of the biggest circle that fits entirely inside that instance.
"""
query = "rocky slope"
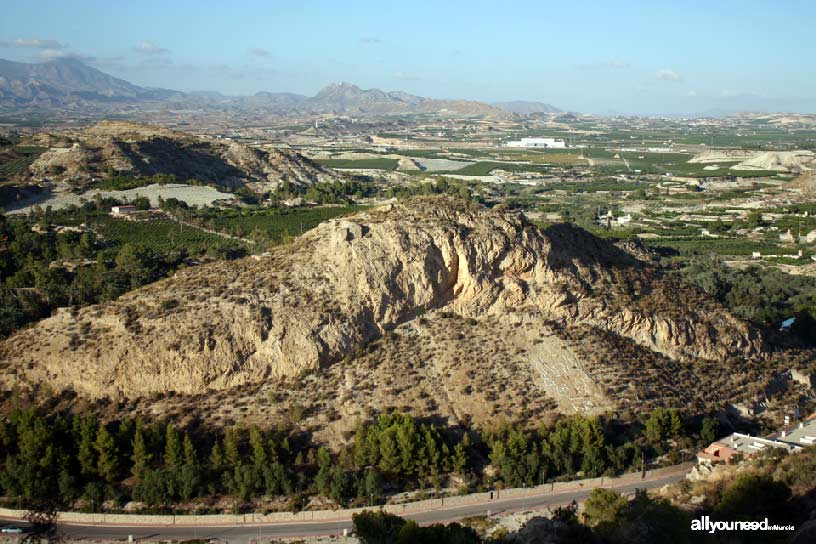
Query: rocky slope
(130, 149)
(805, 183)
(448, 308)
(780, 161)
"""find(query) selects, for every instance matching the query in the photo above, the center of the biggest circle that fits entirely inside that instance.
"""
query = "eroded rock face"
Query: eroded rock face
(144, 150)
(348, 281)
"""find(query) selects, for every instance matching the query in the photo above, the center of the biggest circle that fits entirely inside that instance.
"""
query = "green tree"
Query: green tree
(173, 453)
(107, 455)
(377, 527)
(85, 427)
(709, 430)
(141, 455)
(260, 456)
(603, 506)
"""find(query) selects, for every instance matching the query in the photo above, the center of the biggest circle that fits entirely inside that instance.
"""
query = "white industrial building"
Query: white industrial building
(553, 143)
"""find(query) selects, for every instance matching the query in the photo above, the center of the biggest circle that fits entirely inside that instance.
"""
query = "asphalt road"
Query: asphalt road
(248, 532)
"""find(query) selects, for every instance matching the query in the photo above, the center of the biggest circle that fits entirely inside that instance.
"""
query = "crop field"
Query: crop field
(557, 158)
(273, 225)
(363, 164)
(20, 163)
(161, 235)
(596, 186)
(484, 168)
(718, 246)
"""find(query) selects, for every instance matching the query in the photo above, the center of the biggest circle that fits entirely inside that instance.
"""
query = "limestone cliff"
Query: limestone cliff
(349, 281)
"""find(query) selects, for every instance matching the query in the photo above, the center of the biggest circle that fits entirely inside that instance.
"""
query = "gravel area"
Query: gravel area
(61, 196)
(440, 165)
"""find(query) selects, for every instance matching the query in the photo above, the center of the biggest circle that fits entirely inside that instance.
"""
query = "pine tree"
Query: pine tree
(389, 456)
(108, 455)
(190, 454)
(216, 459)
(231, 453)
(256, 444)
(86, 453)
(708, 433)
(172, 448)
(460, 456)
(141, 455)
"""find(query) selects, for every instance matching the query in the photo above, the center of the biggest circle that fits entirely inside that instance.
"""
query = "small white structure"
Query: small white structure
(552, 143)
(126, 209)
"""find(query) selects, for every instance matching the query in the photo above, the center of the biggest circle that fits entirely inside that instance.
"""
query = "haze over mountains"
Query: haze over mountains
(69, 83)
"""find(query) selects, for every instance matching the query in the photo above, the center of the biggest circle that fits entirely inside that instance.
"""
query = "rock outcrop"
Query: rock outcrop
(130, 149)
(348, 282)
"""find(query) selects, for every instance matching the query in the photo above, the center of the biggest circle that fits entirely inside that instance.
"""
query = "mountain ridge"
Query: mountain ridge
(71, 83)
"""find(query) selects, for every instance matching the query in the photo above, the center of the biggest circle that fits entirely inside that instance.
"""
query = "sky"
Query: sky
(627, 57)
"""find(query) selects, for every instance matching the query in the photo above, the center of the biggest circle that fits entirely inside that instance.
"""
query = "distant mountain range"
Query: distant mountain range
(526, 107)
(71, 84)
(65, 82)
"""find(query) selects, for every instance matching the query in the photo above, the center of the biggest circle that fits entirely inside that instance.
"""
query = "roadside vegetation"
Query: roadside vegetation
(774, 486)
(85, 463)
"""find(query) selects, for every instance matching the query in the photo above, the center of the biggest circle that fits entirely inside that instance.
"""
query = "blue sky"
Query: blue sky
(627, 57)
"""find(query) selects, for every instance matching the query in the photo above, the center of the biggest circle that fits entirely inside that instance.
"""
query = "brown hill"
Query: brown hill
(433, 305)
(130, 149)
(805, 183)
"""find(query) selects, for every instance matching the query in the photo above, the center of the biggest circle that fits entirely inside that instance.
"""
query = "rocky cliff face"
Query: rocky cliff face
(350, 281)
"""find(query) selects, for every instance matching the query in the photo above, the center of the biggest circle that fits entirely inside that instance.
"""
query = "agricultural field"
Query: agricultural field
(15, 161)
(159, 234)
(270, 225)
(361, 164)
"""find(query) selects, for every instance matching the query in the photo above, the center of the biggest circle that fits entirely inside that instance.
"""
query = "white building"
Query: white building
(552, 143)
(125, 209)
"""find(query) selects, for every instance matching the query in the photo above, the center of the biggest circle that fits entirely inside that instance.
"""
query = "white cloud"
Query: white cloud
(406, 77)
(731, 93)
(53, 54)
(149, 48)
(371, 41)
(35, 44)
(617, 63)
(668, 75)
(692, 93)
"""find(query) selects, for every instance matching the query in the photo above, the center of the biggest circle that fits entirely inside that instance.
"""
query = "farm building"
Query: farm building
(742, 445)
(551, 143)
(791, 439)
(126, 209)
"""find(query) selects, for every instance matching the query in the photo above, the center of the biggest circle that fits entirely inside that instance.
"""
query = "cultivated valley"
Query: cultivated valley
(343, 304)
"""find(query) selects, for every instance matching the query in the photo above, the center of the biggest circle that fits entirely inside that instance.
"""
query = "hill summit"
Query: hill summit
(471, 307)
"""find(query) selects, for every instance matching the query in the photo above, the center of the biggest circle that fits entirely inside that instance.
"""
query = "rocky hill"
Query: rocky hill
(805, 183)
(436, 306)
(129, 149)
(780, 161)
